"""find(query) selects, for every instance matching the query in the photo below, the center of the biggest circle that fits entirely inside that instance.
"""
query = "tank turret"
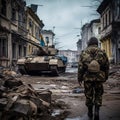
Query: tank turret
(42, 60)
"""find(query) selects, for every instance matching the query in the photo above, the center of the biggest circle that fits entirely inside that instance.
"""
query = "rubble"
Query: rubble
(113, 81)
(19, 101)
(115, 72)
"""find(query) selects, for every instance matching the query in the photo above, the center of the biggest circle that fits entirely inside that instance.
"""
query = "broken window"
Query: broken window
(109, 13)
(37, 32)
(20, 51)
(3, 7)
(14, 50)
(3, 47)
(106, 20)
(99, 30)
(13, 14)
(47, 39)
(20, 19)
(24, 51)
(31, 26)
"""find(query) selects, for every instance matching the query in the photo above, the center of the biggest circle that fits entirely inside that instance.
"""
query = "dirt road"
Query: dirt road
(69, 97)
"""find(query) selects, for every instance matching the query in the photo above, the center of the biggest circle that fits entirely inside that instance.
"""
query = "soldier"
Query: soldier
(93, 69)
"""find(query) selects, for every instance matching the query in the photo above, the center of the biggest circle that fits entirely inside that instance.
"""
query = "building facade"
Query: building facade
(89, 30)
(34, 27)
(94, 29)
(79, 46)
(15, 34)
(84, 35)
(70, 54)
(109, 11)
(48, 37)
(12, 31)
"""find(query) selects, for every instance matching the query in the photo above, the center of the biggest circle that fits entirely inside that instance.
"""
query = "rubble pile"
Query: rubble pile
(21, 102)
(114, 78)
(115, 74)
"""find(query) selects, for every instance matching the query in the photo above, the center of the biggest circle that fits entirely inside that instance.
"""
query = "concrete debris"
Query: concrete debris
(114, 78)
(115, 72)
(19, 101)
(9, 73)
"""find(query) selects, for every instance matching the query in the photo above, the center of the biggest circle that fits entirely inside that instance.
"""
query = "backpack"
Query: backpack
(94, 66)
(90, 60)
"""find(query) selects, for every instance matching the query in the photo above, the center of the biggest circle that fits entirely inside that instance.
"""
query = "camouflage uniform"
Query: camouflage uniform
(93, 82)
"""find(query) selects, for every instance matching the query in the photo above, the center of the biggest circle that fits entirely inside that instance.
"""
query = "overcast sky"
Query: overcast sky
(67, 16)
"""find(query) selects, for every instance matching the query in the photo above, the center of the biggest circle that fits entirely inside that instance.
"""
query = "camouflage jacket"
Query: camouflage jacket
(102, 75)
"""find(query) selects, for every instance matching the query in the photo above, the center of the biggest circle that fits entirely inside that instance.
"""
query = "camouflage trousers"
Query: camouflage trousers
(93, 93)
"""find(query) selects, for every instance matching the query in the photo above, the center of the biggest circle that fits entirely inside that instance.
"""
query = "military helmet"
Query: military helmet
(93, 41)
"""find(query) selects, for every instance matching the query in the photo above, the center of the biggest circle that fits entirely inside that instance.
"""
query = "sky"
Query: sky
(65, 18)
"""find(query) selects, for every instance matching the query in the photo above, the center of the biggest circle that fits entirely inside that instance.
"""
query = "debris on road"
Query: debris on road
(20, 101)
(48, 98)
(115, 72)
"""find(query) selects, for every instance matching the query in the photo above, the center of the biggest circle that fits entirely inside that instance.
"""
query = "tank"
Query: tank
(43, 60)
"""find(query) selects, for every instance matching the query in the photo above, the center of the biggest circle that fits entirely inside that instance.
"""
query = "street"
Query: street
(42, 44)
(69, 96)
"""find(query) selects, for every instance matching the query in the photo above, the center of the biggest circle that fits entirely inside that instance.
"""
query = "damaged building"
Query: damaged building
(109, 11)
(17, 31)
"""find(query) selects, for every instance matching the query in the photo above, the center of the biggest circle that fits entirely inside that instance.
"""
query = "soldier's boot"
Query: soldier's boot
(96, 114)
(90, 111)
